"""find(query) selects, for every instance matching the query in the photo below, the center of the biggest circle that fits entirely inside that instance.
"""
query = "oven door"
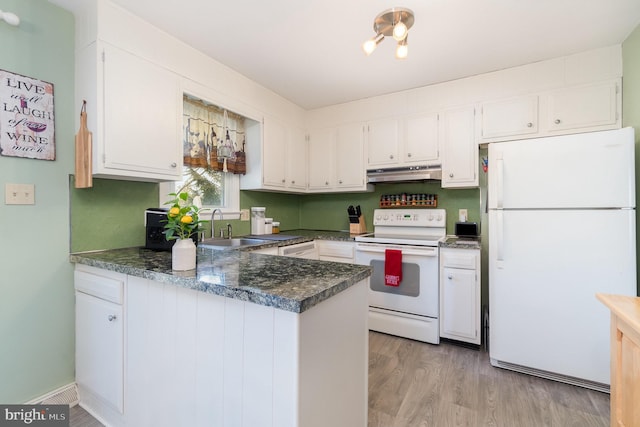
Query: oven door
(418, 290)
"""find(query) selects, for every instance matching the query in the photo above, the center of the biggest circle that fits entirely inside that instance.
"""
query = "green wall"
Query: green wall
(110, 214)
(631, 107)
(329, 211)
(36, 288)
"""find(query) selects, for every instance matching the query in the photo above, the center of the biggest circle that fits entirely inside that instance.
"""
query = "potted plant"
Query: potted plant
(183, 223)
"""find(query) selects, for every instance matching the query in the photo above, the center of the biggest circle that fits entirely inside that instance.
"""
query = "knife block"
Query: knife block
(359, 227)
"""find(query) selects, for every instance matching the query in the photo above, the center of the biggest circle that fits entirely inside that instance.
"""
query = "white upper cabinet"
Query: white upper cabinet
(277, 160)
(421, 139)
(509, 118)
(584, 108)
(349, 158)
(404, 141)
(321, 155)
(134, 110)
(274, 149)
(382, 143)
(336, 159)
(297, 159)
(460, 160)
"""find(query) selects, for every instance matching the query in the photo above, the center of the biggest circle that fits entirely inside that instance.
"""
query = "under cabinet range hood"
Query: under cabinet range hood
(407, 173)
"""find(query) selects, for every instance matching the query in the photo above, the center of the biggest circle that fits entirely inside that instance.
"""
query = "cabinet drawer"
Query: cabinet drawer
(335, 249)
(106, 288)
(459, 258)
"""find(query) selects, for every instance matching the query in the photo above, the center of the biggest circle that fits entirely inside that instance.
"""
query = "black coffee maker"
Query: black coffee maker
(154, 221)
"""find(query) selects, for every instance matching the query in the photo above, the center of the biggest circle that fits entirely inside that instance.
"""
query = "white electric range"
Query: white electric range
(411, 309)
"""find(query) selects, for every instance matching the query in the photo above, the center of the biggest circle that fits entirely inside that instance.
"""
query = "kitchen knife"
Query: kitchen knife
(353, 218)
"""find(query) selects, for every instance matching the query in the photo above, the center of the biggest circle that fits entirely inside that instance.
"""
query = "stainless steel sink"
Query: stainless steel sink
(234, 243)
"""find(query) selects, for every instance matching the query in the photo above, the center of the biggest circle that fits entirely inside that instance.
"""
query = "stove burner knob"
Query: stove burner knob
(386, 217)
(430, 217)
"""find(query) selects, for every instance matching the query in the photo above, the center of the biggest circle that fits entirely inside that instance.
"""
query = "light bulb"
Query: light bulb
(400, 31)
(370, 45)
(10, 18)
(402, 50)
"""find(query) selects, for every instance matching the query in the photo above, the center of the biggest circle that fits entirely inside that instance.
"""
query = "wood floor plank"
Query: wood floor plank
(451, 385)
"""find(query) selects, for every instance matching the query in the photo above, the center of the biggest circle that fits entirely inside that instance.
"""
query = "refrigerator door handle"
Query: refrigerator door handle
(499, 180)
(500, 238)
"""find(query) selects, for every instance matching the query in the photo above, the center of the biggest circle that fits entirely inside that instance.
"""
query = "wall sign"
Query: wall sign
(26, 117)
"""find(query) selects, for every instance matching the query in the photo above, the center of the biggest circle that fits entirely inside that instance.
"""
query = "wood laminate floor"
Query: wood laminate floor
(413, 384)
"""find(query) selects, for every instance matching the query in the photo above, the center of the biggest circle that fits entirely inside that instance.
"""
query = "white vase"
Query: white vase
(183, 255)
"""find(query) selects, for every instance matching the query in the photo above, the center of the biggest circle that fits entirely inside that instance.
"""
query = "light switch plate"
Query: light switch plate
(244, 214)
(19, 194)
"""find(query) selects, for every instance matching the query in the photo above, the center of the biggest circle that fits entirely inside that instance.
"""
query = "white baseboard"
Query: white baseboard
(67, 394)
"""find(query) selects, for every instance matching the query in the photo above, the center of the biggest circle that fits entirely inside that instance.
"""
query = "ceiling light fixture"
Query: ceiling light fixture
(10, 18)
(402, 49)
(396, 23)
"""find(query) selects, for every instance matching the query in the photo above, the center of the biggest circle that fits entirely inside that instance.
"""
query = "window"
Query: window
(213, 152)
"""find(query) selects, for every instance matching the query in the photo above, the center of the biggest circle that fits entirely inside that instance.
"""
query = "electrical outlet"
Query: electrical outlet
(19, 194)
(462, 215)
(244, 214)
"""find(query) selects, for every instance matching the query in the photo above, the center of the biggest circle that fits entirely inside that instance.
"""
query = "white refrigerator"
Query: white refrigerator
(561, 229)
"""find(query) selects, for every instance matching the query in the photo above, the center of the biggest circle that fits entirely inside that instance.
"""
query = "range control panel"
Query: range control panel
(410, 217)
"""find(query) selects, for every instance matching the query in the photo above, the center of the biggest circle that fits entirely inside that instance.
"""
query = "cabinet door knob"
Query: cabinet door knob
(293, 181)
(391, 156)
(451, 175)
(174, 164)
(449, 277)
(408, 154)
(112, 317)
(284, 180)
(529, 125)
(326, 183)
(556, 121)
(340, 182)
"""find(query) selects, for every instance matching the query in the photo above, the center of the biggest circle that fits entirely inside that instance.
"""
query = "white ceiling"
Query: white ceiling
(309, 51)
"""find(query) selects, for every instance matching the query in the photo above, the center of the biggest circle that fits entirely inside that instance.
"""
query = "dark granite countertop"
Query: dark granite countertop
(290, 284)
(292, 237)
(456, 242)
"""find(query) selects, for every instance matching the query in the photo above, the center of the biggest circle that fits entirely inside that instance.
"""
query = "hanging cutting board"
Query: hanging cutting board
(84, 178)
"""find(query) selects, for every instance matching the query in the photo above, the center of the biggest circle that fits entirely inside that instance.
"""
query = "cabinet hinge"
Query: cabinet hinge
(617, 116)
(104, 158)
(102, 55)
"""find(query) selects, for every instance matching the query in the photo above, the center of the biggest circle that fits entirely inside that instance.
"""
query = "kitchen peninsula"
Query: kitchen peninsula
(245, 339)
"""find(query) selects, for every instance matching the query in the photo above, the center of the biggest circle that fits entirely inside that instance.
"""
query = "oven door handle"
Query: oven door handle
(379, 249)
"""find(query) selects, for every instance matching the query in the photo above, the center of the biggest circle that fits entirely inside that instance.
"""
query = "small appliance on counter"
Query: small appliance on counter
(154, 221)
(258, 220)
(466, 230)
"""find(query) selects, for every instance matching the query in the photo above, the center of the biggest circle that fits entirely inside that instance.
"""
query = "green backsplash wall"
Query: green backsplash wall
(329, 211)
(631, 107)
(284, 208)
(110, 214)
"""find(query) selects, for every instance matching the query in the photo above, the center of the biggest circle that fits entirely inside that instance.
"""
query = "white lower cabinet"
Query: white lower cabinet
(336, 251)
(100, 337)
(199, 359)
(460, 294)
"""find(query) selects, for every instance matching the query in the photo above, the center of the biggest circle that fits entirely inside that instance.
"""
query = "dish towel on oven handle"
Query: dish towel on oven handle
(392, 267)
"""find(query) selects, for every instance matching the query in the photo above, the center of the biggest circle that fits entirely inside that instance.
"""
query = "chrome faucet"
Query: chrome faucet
(229, 231)
(212, 223)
